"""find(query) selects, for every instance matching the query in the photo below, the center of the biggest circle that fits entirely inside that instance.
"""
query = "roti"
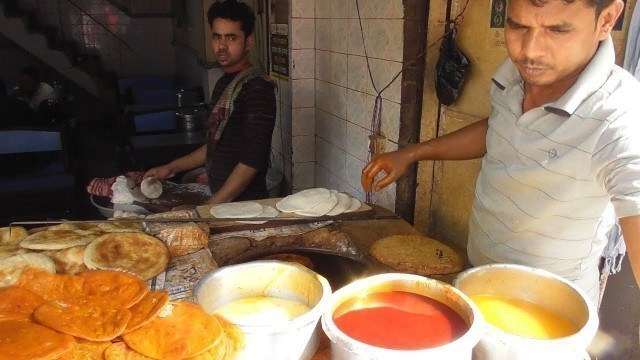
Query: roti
(27, 340)
(322, 208)
(355, 205)
(344, 201)
(303, 200)
(12, 234)
(57, 239)
(69, 260)
(186, 332)
(239, 210)
(11, 250)
(267, 212)
(12, 267)
(417, 255)
(94, 319)
(137, 253)
(120, 226)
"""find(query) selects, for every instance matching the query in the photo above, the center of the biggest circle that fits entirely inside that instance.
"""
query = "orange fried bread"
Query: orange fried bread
(147, 309)
(87, 318)
(51, 286)
(18, 303)
(27, 340)
(122, 289)
(137, 253)
(185, 332)
(120, 351)
(86, 350)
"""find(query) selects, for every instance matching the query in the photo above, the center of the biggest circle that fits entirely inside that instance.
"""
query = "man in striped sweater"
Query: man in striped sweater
(241, 123)
(560, 151)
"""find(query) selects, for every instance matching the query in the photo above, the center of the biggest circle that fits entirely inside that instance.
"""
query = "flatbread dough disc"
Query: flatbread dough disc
(355, 205)
(322, 208)
(237, 210)
(303, 200)
(57, 239)
(267, 212)
(11, 268)
(344, 201)
(12, 234)
(417, 255)
(151, 188)
(136, 253)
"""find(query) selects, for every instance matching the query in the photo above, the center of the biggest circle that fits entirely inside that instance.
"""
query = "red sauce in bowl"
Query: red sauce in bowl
(399, 320)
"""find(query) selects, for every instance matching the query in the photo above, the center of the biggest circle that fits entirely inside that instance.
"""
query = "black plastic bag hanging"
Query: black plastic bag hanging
(451, 69)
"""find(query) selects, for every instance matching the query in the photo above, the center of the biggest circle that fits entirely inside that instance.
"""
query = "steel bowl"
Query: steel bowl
(295, 339)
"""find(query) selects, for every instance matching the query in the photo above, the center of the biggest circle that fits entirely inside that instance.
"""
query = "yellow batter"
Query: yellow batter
(523, 318)
(262, 310)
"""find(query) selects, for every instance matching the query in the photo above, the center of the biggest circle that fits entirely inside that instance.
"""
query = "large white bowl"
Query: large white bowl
(296, 339)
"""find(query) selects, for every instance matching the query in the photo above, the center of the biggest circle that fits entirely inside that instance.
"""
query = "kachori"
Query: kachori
(146, 309)
(12, 234)
(27, 340)
(122, 289)
(185, 332)
(417, 254)
(18, 303)
(94, 319)
(12, 267)
(137, 253)
(51, 286)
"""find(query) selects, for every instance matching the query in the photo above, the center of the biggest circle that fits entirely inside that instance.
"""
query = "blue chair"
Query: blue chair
(37, 169)
(154, 97)
(162, 121)
(144, 82)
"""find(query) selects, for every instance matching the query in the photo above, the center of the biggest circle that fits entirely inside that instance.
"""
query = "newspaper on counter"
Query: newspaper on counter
(183, 273)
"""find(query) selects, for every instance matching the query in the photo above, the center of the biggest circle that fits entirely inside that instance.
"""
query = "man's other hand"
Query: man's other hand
(393, 164)
(160, 172)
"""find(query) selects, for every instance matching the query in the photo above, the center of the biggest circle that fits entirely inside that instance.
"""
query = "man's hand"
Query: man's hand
(394, 164)
(160, 172)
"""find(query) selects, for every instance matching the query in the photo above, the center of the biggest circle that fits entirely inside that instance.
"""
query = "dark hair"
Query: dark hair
(234, 11)
(32, 71)
(598, 4)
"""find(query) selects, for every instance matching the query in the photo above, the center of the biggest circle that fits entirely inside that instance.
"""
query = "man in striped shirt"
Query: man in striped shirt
(241, 124)
(560, 151)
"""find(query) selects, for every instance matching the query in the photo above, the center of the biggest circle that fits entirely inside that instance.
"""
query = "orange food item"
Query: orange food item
(122, 289)
(25, 339)
(186, 332)
(86, 350)
(120, 351)
(90, 318)
(147, 309)
(18, 303)
(51, 286)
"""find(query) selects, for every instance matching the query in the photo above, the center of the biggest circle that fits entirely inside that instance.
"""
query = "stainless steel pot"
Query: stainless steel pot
(191, 119)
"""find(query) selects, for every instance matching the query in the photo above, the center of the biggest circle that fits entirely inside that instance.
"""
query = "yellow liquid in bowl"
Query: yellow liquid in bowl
(262, 310)
(523, 318)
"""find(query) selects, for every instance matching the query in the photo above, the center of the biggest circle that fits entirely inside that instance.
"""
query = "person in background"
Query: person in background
(31, 89)
(560, 151)
(240, 126)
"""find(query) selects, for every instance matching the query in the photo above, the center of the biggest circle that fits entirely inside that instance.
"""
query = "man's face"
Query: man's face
(551, 45)
(27, 84)
(230, 46)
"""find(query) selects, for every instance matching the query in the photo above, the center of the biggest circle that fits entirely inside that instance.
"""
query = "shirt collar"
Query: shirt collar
(590, 80)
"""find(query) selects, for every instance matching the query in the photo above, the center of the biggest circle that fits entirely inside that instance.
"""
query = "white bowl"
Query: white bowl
(295, 339)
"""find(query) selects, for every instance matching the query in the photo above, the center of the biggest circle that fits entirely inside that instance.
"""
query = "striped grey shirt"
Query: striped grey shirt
(552, 177)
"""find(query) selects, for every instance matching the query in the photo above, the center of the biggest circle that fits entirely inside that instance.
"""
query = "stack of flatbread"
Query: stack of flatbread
(244, 210)
(318, 202)
(72, 248)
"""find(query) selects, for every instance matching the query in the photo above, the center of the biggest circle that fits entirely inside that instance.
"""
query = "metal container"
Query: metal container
(296, 339)
(539, 287)
(344, 347)
(191, 119)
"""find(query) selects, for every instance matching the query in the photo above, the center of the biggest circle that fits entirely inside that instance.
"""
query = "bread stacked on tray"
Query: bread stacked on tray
(72, 248)
(106, 314)
(318, 202)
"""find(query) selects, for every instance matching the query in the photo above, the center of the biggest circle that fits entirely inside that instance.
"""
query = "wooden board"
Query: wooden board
(364, 211)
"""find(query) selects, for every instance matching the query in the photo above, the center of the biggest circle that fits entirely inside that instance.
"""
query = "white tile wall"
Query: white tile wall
(303, 9)
(303, 175)
(304, 93)
(303, 64)
(303, 121)
(303, 33)
(323, 65)
(323, 34)
(303, 148)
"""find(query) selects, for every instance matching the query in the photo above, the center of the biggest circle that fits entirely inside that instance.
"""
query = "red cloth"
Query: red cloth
(102, 186)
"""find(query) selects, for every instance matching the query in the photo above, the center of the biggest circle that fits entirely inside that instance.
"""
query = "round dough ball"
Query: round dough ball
(151, 188)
